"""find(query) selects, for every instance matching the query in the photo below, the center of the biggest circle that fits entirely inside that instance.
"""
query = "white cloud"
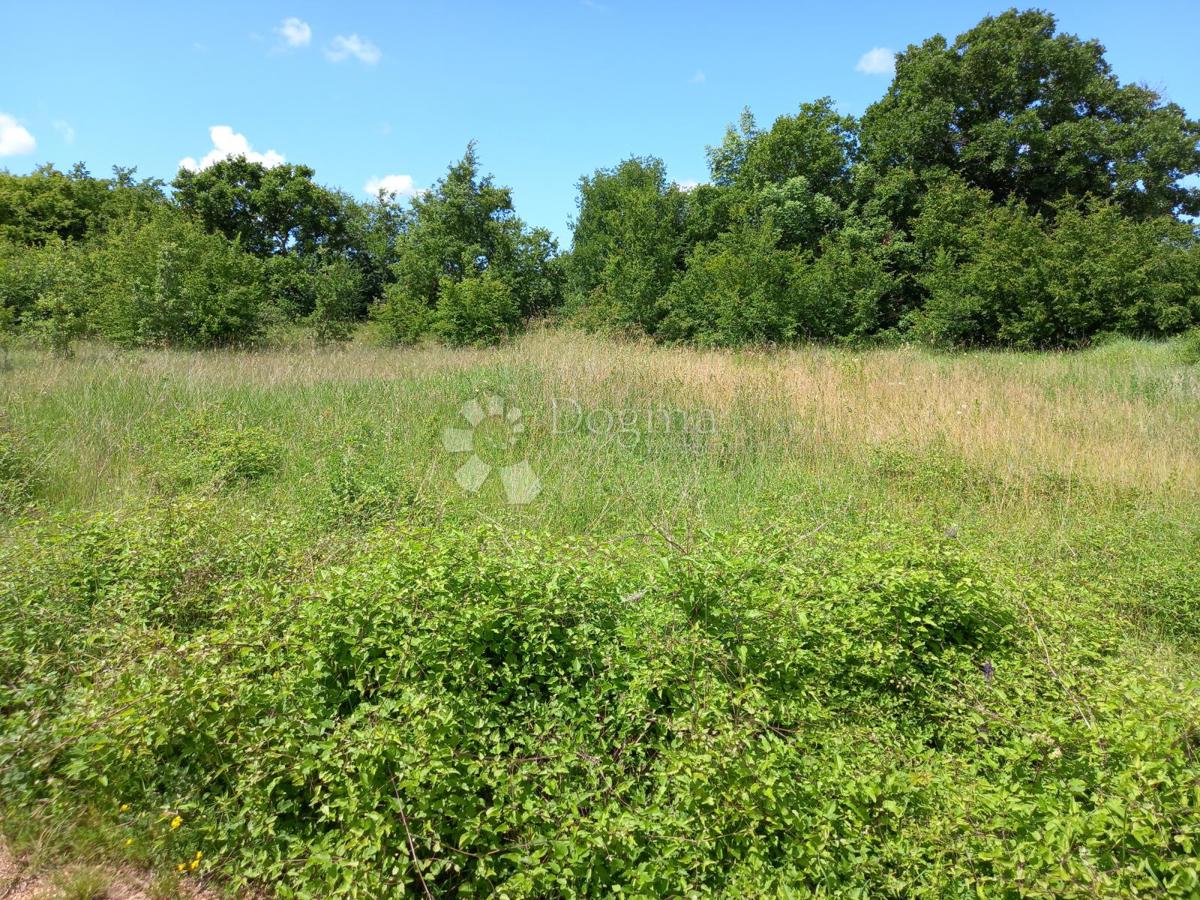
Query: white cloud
(65, 130)
(687, 186)
(877, 61)
(343, 47)
(698, 78)
(228, 143)
(396, 185)
(14, 139)
(294, 32)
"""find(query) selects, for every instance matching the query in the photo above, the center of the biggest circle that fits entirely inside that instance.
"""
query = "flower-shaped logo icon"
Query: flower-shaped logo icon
(493, 433)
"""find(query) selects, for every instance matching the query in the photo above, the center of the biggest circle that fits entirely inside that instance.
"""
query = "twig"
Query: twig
(412, 847)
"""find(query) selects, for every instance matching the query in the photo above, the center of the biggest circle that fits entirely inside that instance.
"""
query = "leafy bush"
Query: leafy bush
(475, 311)
(628, 236)
(1006, 276)
(46, 290)
(337, 288)
(734, 291)
(476, 714)
(847, 290)
(404, 317)
(166, 281)
(205, 453)
(364, 494)
(1187, 347)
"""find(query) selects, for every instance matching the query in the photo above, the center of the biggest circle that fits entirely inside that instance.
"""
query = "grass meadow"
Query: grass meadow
(856, 623)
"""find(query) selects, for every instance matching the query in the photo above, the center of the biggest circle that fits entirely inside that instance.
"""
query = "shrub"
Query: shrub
(363, 494)
(628, 237)
(1187, 347)
(734, 291)
(337, 289)
(46, 290)
(403, 316)
(1004, 276)
(845, 291)
(475, 311)
(166, 281)
(485, 714)
(208, 454)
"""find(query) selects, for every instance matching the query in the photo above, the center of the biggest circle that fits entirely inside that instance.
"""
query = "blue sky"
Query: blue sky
(551, 90)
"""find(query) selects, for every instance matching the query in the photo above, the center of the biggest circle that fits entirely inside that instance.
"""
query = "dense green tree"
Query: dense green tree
(628, 241)
(466, 230)
(51, 205)
(477, 310)
(273, 210)
(735, 290)
(1025, 112)
(462, 227)
(816, 144)
(1006, 275)
(167, 281)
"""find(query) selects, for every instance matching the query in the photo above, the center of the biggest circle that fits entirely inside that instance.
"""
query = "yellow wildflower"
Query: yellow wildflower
(124, 807)
(176, 822)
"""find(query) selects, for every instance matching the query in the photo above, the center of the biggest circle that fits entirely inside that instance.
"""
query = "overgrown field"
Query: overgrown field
(882, 623)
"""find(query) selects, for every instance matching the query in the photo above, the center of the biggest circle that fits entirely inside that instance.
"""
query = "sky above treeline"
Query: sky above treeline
(389, 94)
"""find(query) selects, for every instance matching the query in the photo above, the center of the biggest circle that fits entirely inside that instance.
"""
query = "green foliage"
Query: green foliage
(166, 281)
(203, 453)
(28, 273)
(49, 205)
(404, 317)
(465, 232)
(268, 210)
(735, 290)
(17, 473)
(1002, 275)
(478, 714)
(1024, 112)
(628, 236)
(816, 144)
(476, 311)
(364, 492)
(848, 290)
(1187, 347)
(337, 286)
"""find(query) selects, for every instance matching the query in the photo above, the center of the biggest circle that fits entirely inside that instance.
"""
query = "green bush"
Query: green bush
(1004, 276)
(1187, 347)
(845, 291)
(336, 294)
(403, 316)
(475, 311)
(735, 291)
(206, 453)
(479, 714)
(364, 494)
(166, 281)
(46, 290)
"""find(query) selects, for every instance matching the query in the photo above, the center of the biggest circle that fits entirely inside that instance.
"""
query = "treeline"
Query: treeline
(237, 249)
(1007, 190)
